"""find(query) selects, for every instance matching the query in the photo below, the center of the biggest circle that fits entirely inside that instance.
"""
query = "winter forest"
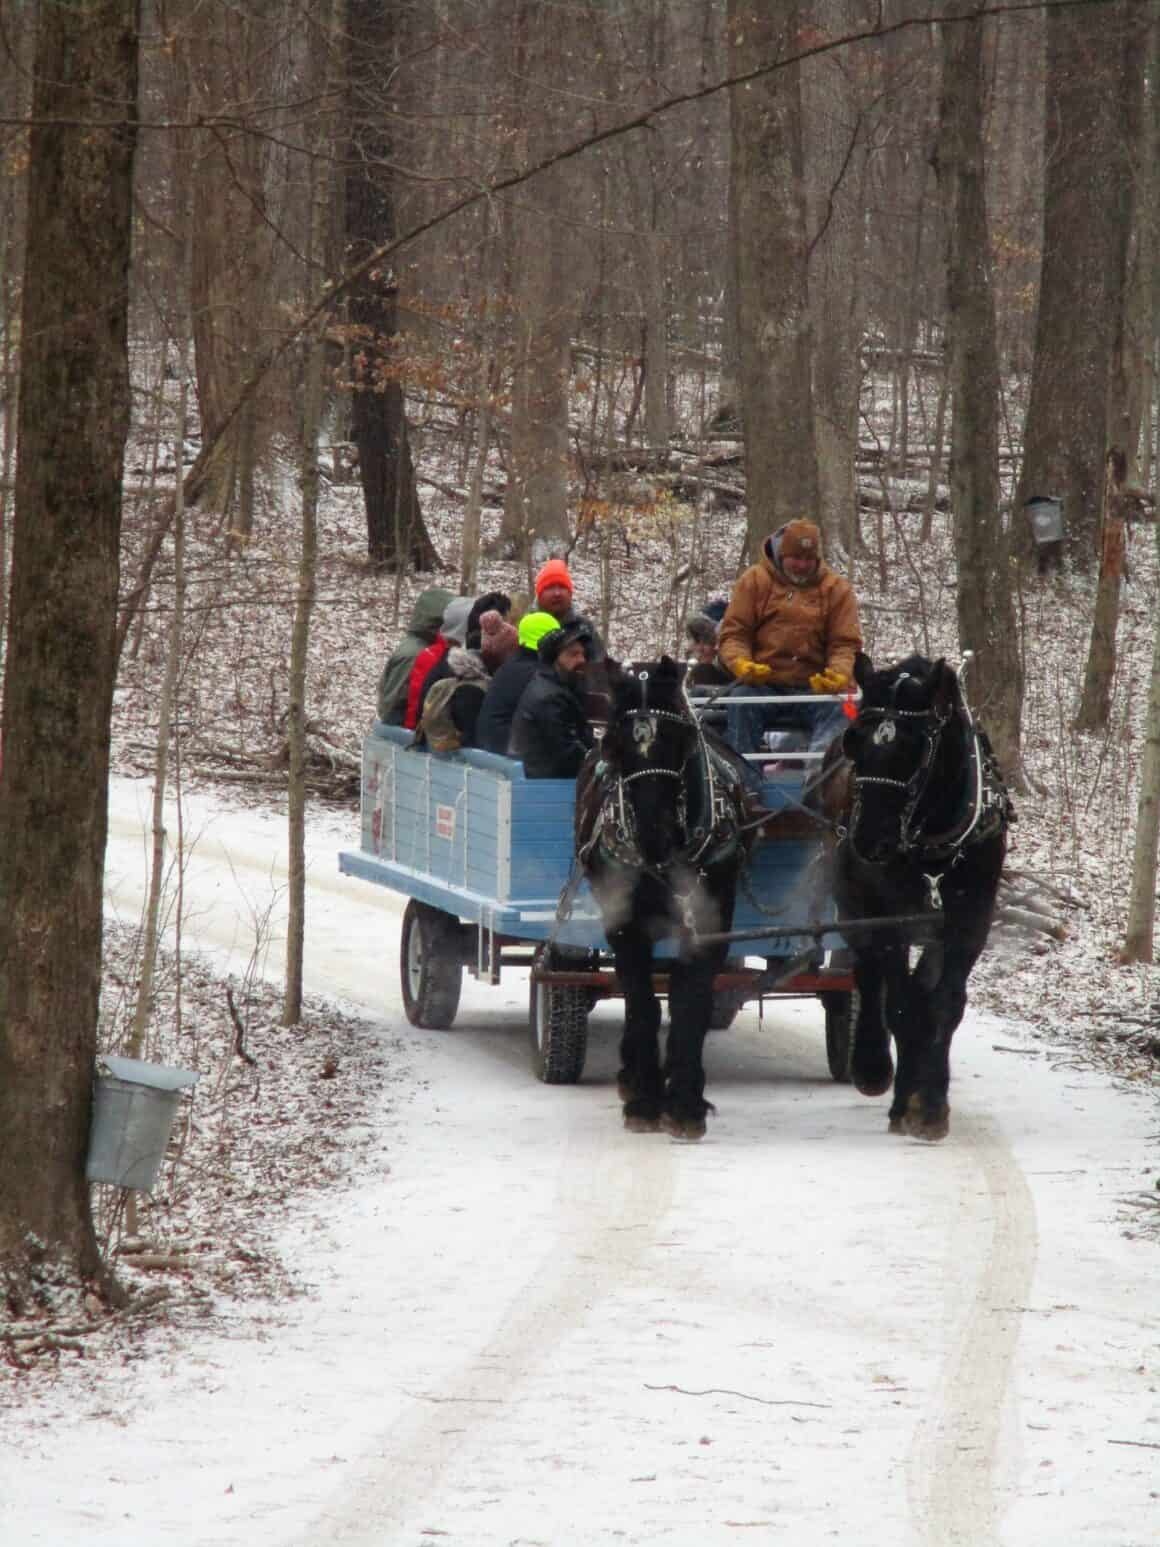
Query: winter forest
(305, 308)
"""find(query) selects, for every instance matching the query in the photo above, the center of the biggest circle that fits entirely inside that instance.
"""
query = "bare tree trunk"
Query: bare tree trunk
(58, 686)
(936, 457)
(1086, 175)
(769, 247)
(316, 242)
(7, 392)
(143, 1008)
(226, 60)
(654, 251)
(396, 534)
(986, 614)
(835, 164)
(535, 515)
(161, 764)
(1141, 288)
(1096, 702)
(296, 715)
(1140, 932)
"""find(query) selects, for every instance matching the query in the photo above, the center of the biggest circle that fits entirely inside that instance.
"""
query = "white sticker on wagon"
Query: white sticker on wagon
(445, 822)
(537, 914)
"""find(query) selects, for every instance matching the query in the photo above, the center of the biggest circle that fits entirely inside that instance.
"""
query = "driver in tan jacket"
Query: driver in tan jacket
(791, 627)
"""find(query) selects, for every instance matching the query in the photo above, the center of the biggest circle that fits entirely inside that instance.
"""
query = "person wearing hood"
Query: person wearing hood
(791, 627)
(452, 631)
(550, 730)
(494, 726)
(426, 616)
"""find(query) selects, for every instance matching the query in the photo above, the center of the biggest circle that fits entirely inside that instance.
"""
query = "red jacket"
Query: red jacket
(424, 661)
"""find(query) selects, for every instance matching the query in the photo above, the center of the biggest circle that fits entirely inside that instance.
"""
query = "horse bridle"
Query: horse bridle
(625, 838)
(915, 786)
(658, 773)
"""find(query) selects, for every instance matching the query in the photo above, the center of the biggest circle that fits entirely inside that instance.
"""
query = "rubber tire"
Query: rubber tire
(558, 1032)
(841, 1015)
(430, 966)
(727, 1002)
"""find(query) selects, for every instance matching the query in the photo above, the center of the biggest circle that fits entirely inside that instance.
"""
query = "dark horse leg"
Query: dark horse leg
(691, 1001)
(938, 994)
(908, 1017)
(690, 1009)
(925, 1113)
(871, 1067)
(639, 1082)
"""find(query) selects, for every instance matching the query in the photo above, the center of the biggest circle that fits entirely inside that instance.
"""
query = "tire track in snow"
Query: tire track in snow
(611, 1198)
(951, 1469)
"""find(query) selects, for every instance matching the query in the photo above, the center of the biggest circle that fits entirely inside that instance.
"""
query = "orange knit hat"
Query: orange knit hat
(554, 572)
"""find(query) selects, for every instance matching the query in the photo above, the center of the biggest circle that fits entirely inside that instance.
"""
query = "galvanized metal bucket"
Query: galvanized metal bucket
(1045, 513)
(134, 1104)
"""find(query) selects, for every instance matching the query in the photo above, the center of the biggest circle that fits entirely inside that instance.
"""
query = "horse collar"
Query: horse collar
(615, 827)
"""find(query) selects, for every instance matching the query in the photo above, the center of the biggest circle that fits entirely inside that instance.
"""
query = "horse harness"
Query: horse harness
(717, 827)
(986, 809)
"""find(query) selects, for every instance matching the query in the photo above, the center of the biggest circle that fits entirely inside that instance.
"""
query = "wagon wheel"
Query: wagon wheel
(431, 965)
(727, 1001)
(558, 1029)
(841, 1014)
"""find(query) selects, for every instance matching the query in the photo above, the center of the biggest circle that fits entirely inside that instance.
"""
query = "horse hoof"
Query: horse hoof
(637, 1124)
(921, 1124)
(930, 1131)
(865, 1086)
(687, 1129)
(895, 1125)
(625, 1091)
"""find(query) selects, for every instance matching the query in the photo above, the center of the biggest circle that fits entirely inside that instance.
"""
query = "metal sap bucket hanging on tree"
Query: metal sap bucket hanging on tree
(134, 1104)
(1045, 515)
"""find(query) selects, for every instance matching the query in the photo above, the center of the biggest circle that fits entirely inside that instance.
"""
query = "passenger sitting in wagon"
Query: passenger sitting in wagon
(550, 730)
(422, 631)
(471, 640)
(494, 727)
(791, 629)
(705, 670)
(452, 631)
(450, 714)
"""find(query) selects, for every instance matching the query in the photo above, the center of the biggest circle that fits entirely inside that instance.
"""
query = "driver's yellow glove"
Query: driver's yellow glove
(752, 671)
(828, 681)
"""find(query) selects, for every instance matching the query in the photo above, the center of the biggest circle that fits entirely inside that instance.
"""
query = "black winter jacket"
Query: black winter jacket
(550, 731)
(494, 727)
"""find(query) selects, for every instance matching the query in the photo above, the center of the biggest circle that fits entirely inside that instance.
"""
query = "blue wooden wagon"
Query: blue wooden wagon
(483, 854)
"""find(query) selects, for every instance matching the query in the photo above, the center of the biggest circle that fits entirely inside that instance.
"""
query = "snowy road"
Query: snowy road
(529, 1327)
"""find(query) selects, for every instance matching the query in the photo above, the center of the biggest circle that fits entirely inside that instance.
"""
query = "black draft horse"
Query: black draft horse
(922, 829)
(661, 838)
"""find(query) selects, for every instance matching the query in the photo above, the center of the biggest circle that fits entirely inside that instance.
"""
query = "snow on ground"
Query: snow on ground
(515, 1323)
(409, 1294)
